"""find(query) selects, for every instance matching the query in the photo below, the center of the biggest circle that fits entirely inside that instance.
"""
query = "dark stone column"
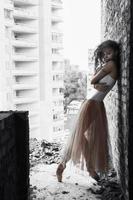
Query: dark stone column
(14, 155)
(130, 136)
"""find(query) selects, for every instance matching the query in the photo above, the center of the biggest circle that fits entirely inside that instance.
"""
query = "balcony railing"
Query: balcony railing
(21, 86)
(23, 43)
(57, 45)
(20, 13)
(56, 18)
(57, 37)
(32, 114)
(56, 4)
(9, 1)
(57, 30)
(21, 57)
(24, 73)
(22, 28)
(22, 100)
(34, 126)
(56, 57)
(58, 84)
(8, 4)
(25, 2)
(57, 1)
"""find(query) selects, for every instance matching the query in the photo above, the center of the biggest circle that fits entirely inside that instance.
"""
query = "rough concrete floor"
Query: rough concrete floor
(75, 185)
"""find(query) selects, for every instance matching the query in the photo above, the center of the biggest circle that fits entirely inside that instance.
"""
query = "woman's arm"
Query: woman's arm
(101, 86)
(106, 69)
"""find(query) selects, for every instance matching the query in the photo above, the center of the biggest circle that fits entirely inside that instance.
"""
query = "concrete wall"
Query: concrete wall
(116, 26)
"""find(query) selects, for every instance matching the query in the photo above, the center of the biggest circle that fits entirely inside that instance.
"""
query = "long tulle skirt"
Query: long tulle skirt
(89, 143)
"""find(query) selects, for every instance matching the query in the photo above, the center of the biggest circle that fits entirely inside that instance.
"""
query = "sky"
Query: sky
(81, 29)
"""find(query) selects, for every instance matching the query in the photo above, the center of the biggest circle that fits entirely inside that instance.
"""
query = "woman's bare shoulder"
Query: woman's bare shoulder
(109, 66)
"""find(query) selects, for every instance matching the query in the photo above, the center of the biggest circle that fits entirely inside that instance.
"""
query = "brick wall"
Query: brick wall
(14, 155)
(116, 26)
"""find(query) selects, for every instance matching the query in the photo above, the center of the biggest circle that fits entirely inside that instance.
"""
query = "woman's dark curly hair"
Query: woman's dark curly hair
(98, 53)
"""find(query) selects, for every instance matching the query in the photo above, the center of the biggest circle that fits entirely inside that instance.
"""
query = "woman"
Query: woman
(89, 142)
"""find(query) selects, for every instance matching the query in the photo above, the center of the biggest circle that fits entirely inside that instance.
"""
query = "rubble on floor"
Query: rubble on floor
(44, 157)
(110, 189)
(43, 151)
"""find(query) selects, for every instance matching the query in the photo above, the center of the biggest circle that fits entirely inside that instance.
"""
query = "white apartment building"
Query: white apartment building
(91, 70)
(51, 69)
(31, 73)
(19, 59)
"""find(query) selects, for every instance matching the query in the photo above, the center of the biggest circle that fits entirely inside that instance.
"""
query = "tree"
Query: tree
(75, 87)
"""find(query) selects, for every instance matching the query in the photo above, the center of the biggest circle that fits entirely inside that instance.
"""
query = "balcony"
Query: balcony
(8, 4)
(25, 2)
(22, 100)
(57, 31)
(32, 114)
(57, 70)
(20, 13)
(24, 73)
(34, 126)
(56, 19)
(57, 1)
(8, 23)
(58, 109)
(59, 122)
(21, 57)
(22, 28)
(24, 43)
(57, 45)
(58, 96)
(21, 86)
(58, 84)
(56, 57)
(57, 39)
(56, 4)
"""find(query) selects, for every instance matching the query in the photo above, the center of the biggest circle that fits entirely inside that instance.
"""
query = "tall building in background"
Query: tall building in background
(19, 58)
(31, 72)
(25, 60)
(51, 69)
(91, 69)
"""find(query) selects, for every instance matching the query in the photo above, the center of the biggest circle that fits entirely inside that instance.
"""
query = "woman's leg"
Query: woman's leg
(73, 147)
(59, 171)
(87, 152)
(62, 165)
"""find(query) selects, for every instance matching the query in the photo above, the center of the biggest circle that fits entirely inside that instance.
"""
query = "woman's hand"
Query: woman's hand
(106, 69)
(101, 86)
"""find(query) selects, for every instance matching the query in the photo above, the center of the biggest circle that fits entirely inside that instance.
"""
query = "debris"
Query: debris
(43, 152)
(65, 192)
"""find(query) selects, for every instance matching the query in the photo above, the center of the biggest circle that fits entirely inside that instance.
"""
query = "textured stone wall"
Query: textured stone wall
(130, 137)
(116, 26)
(14, 156)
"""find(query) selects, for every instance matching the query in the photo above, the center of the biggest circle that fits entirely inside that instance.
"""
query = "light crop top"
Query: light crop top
(100, 95)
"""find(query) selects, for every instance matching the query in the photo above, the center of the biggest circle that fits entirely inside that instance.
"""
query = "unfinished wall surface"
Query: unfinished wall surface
(130, 136)
(116, 26)
(14, 155)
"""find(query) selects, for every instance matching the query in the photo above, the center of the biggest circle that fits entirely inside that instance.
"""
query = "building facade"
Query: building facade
(32, 63)
(51, 69)
(20, 59)
(91, 70)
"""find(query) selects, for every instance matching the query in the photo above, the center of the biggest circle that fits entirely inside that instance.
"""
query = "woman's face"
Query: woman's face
(108, 54)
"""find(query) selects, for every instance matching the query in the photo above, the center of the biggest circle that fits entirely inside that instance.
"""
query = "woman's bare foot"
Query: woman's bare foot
(59, 171)
(94, 175)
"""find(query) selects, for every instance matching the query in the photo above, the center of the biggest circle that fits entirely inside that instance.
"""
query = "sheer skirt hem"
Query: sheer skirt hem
(88, 146)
